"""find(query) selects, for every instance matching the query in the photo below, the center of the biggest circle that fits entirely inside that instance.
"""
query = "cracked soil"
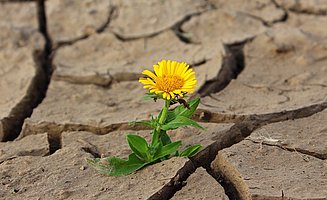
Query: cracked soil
(68, 87)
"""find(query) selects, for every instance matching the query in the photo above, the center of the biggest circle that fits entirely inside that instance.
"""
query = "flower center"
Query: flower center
(169, 83)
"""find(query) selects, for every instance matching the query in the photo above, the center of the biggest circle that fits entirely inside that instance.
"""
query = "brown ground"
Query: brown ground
(68, 87)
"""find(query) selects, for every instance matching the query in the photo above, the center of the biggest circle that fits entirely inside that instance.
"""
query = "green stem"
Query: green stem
(156, 133)
(164, 113)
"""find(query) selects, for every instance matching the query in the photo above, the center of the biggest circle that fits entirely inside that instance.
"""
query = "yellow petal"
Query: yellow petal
(188, 72)
(184, 70)
(163, 66)
(172, 95)
(186, 77)
(147, 81)
(157, 70)
(150, 74)
(177, 92)
(148, 86)
(190, 83)
(173, 67)
(144, 81)
(168, 66)
(179, 68)
(164, 95)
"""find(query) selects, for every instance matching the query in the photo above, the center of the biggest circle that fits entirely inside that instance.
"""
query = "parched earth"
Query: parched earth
(68, 87)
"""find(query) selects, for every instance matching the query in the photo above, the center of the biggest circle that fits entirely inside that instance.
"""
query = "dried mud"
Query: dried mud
(69, 72)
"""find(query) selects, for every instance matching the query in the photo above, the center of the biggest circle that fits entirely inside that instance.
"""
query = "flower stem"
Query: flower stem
(164, 113)
(157, 132)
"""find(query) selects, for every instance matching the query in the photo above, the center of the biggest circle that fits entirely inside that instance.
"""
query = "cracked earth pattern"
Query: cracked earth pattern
(68, 86)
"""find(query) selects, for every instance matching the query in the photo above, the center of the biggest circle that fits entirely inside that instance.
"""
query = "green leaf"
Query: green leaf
(191, 151)
(182, 111)
(139, 146)
(178, 122)
(114, 166)
(165, 139)
(167, 149)
(160, 113)
(154, 149)
(145, 122)
(155, 137)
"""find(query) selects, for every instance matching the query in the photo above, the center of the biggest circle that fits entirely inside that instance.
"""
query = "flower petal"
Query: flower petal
(172, 95)
(157, 70)
(188, 75)
(184, 70)
(164, 95)
(168, 67)
(150, 74)
(173, 67)
(179, 68)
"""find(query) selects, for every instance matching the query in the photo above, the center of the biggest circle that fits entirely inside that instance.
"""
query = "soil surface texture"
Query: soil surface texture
(69, 87)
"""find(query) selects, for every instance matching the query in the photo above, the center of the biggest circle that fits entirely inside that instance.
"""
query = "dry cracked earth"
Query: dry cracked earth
(68, 86)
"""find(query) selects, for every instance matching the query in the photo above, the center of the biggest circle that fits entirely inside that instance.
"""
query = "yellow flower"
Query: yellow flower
(170, 78)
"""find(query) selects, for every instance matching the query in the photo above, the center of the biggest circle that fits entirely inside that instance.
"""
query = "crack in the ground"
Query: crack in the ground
(202, 115)
(232, 65)
(98, 30)
(291, 149)
(54, 141)
(237, 133)
(308, 12)
(102, 80)
(107, 79)
(12, 125)
(229, 188)
(55, 130)
(179, 32)
(199, 63)
(176, 27)
(265, 22)
(92, 149)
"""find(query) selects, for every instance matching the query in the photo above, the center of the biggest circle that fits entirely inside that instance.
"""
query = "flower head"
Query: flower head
(170, 79)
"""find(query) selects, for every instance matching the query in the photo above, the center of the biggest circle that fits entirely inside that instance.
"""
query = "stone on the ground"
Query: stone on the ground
(33, 145)
(200, 185)
(66, 175)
